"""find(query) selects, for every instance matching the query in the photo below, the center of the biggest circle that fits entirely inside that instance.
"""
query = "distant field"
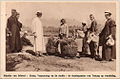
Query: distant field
(54, 30)
(51, 30)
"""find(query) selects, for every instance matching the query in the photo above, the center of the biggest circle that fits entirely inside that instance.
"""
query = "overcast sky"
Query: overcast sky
(56, 10)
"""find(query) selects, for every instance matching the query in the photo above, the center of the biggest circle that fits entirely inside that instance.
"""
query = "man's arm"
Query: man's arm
(8, 24)
(113, 28)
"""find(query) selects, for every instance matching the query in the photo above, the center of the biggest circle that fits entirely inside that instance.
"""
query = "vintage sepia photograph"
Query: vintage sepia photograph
(60, 36)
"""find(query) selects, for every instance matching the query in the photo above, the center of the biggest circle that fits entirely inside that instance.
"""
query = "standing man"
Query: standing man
(39, 46)
(93, 28)
(13, 27)
(64, 31)
(63, 34)
(108, 52)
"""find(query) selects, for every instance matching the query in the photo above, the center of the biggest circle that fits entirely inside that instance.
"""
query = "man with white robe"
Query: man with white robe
(37, 29)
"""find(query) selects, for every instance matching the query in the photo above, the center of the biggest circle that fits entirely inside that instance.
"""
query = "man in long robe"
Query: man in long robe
(108, 52)
(14, 27)
(39, 45)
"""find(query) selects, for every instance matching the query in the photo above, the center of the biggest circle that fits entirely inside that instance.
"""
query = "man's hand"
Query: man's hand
(35, 36)
(10, 34)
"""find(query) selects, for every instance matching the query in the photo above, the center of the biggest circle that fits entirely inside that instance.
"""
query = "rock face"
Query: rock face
(16, 58)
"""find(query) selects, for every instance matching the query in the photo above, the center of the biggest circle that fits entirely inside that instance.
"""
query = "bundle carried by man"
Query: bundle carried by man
(52, 46)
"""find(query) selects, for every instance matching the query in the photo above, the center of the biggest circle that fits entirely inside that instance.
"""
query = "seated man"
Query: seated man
(25, 41)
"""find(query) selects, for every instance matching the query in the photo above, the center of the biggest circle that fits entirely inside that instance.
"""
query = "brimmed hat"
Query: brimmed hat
(108, 13)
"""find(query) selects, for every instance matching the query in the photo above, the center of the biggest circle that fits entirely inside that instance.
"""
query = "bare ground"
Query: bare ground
(28, 62)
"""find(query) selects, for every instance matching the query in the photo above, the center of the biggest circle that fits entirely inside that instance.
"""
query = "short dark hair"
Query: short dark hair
(91, 15)
(62, 20)
(83, 24)
(38, 14)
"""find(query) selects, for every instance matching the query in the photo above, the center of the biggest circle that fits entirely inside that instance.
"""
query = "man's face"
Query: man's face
(14, 13)
(91, 17)
(63, 21)
(107, 16)
(18, 16)
(40, 15)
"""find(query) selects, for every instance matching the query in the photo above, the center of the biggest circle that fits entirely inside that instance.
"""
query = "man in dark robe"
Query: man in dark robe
(108, 52)
(93, 28)
(13, 25)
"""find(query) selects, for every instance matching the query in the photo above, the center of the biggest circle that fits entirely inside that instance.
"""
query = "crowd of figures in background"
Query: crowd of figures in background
(63, 45)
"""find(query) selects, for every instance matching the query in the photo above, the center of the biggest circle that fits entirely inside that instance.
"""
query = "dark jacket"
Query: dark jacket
(93, 27)
(109, 29)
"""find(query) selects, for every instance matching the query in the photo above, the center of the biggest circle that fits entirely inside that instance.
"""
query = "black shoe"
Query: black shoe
(110, 60)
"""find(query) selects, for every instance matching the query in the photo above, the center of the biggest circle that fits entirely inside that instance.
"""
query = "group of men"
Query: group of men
(14, 28)
(108, 51)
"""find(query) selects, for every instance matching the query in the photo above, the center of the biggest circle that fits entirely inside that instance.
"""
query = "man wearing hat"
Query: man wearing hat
(13, 27)
(108, 52)
(37, 28)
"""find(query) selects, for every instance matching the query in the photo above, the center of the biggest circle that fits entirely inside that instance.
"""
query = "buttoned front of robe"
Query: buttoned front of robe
(37, 27)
